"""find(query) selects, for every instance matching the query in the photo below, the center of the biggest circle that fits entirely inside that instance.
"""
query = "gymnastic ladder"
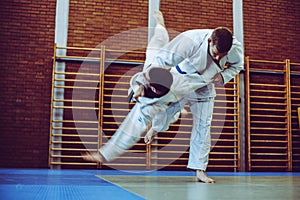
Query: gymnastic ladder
(273, 95)
(81, 104)
(64, 141)
(93, 104)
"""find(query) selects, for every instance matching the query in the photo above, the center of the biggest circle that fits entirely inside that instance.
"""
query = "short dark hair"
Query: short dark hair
(222, 38)
(161, 79)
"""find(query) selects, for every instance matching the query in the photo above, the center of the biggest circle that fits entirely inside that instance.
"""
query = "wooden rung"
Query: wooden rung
(274, 92)
(75, 121)
(116, 102)
(116, 109)
(268, 117)
(125, 51)
(227, 114)
(118, 76)
(269, 135)
(268, 128)
(266, 61)
(114, 89)
(68, 149)
(268, 103)
(126, 164)
(171, 138)
(225, 108)
(224, 140)
(114, 116)
(117, 82)
(268, 160)
(181, 132)
(74, 128)
(73, 135)
(269, 147)
(73, 142)
(168, 152)
(75, 100)
(76, 73)
(223, 159)
(268, 141)
(223, 166)
(78, 48)
(267, 85)
(77, 57)
(225, 147)
(268, 97)
(77, 87)
(224, 133)
(269, 154)
(268, 109)
(267, 166)
(64, 156)
(76, 80)
(165, 158)
(75, 107)
(72, 163)
(131, 157)
(163, 165)
(170, 145)
(223, 153)
(229, 120)
(225, 101)
(267, 122)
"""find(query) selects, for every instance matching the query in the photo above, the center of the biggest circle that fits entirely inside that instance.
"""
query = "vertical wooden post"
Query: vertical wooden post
(238, 123)
(51, 109)
(148, 156)
(289, 112)
(248, 132)
(100, 98)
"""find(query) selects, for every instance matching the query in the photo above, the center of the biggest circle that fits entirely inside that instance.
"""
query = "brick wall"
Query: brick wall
(27, 33)
(272, 29)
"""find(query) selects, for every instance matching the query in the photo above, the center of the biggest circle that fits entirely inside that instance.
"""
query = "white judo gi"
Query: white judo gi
(189, 53)
(152, 111)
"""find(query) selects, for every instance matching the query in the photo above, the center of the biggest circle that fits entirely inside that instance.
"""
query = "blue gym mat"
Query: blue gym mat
(58, 184)
(50, 184)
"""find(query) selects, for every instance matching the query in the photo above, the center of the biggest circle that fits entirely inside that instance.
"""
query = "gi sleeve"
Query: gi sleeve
(175, 51)
(235, 62)
(135, 82)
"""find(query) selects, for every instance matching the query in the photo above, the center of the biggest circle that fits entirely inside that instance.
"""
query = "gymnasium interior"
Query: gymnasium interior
(66, 67)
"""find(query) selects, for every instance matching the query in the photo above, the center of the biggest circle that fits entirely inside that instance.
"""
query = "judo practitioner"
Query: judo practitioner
(197, 51)
(152, 104)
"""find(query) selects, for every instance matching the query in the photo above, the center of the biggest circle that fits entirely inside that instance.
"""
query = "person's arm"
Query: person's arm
(136, 89)
(180, 48)
(235, 62)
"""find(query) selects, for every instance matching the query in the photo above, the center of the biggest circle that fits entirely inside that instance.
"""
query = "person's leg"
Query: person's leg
(129, 132)
(169, 116)
(158, 40)
(200, 142)
(131, 129)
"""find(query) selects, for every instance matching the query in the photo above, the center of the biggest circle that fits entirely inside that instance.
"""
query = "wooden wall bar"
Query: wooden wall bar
(272, 101)
(95, 104)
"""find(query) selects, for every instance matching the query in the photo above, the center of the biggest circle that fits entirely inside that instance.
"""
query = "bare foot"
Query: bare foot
(94, 156)
(202, 177)
(149, 136)
(159, 18)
